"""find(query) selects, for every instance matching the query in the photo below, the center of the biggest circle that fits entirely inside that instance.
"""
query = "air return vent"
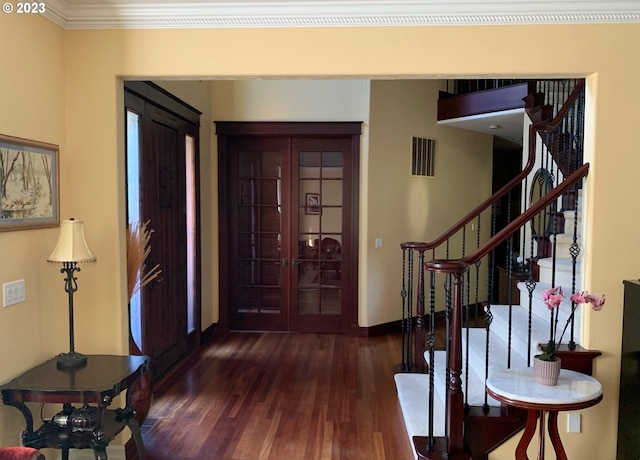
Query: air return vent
(423, 157)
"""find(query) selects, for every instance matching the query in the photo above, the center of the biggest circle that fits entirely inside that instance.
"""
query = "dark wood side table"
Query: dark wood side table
(517, 387)
(90, 424)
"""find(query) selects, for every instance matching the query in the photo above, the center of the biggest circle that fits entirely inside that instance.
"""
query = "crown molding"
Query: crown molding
(147, 14)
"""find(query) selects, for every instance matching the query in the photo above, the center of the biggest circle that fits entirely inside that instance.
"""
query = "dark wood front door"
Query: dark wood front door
(163, 193)
(288, 258)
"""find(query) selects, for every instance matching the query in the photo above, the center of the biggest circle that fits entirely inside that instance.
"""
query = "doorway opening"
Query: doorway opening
(288, 233)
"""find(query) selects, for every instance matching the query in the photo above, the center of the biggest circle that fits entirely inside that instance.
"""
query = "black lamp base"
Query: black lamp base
(71, 360)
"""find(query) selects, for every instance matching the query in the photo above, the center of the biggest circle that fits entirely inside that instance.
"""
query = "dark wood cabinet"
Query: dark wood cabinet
(629, 401)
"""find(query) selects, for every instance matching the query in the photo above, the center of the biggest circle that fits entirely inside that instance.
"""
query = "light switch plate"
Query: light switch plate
(13, 293)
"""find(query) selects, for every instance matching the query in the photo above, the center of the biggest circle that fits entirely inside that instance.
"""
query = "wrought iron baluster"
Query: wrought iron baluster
(431, 341)
(403, 323)
(419, 334)
(409, 344)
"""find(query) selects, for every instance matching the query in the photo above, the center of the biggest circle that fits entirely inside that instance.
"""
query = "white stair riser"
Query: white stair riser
(563, 247)
(520, 343)
(563, 275)
(570, 218)
(538, 308)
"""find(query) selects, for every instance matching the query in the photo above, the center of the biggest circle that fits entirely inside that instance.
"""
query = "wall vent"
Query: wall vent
(423, 157)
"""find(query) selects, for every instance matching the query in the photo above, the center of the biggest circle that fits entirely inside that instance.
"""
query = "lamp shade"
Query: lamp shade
(71, 247)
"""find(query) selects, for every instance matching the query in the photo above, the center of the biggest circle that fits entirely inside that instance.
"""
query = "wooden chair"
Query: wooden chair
(329, 255)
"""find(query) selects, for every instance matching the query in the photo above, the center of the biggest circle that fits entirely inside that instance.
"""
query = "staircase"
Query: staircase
(508, 321)
(441, 390)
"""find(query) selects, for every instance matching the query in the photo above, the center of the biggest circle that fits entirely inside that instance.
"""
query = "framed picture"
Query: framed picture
(29, 190)
(312, 201)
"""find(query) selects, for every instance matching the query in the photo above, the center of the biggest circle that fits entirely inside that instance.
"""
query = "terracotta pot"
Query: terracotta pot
(546, 372)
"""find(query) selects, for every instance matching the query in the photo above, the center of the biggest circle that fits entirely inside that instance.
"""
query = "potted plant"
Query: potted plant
(547, 364)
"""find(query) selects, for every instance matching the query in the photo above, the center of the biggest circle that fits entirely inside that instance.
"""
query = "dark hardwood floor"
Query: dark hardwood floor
(281, 397)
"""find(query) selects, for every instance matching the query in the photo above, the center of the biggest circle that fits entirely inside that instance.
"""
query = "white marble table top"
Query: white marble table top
(519, 384)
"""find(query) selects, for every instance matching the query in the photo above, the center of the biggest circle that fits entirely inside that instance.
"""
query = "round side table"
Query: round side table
(517, 387)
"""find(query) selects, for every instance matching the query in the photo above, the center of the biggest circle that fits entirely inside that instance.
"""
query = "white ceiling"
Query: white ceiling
(507, 124)
(156, 14)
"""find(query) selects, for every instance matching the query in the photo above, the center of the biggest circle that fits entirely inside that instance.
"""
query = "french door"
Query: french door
(288, 257)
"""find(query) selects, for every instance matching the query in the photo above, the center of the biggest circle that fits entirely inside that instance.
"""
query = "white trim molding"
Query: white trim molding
(163, 14)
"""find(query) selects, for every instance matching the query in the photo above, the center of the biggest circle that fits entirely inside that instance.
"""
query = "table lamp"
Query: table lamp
(71, 249)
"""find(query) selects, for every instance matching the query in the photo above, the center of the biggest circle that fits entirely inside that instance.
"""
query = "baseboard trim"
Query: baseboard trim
(379, 329)
(393, 326)
(209, 334)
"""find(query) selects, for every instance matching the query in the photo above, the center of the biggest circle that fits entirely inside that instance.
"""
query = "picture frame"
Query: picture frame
(29, 184)
(312, 201)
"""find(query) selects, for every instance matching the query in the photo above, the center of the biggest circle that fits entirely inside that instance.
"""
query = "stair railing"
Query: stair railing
(456, 278)
(414, 332)
(457, 269)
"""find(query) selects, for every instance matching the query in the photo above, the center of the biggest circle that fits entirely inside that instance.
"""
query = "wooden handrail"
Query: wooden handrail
(457, 265)
(540, 126)
(546, 125)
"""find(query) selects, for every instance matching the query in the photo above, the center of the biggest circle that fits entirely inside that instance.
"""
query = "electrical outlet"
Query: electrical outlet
(13, 293)
(378, 242)
(573, 422)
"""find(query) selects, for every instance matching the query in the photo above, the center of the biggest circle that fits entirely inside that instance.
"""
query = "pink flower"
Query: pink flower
(596, 301)
(579, 297)
(553, 297)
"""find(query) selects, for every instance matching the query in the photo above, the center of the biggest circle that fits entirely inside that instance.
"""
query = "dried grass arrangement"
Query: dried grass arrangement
(138, 249)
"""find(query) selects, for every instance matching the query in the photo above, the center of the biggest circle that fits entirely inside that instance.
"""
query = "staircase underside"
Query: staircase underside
(490, 101)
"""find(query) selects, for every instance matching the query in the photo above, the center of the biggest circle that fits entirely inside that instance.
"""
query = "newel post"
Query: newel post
(455, 397)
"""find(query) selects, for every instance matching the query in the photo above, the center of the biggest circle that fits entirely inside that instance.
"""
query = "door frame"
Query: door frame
(226, 129)
(136, 95)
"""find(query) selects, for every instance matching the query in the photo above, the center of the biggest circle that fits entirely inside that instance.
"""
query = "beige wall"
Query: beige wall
(402, 208)
(78, 105)
(32, 95)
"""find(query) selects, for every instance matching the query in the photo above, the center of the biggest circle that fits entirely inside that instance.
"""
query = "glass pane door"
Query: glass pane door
(318, 296)
(261, 264)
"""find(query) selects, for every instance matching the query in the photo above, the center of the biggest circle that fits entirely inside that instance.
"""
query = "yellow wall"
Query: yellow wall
(32, 95)
(402, 208)
(78, 105)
